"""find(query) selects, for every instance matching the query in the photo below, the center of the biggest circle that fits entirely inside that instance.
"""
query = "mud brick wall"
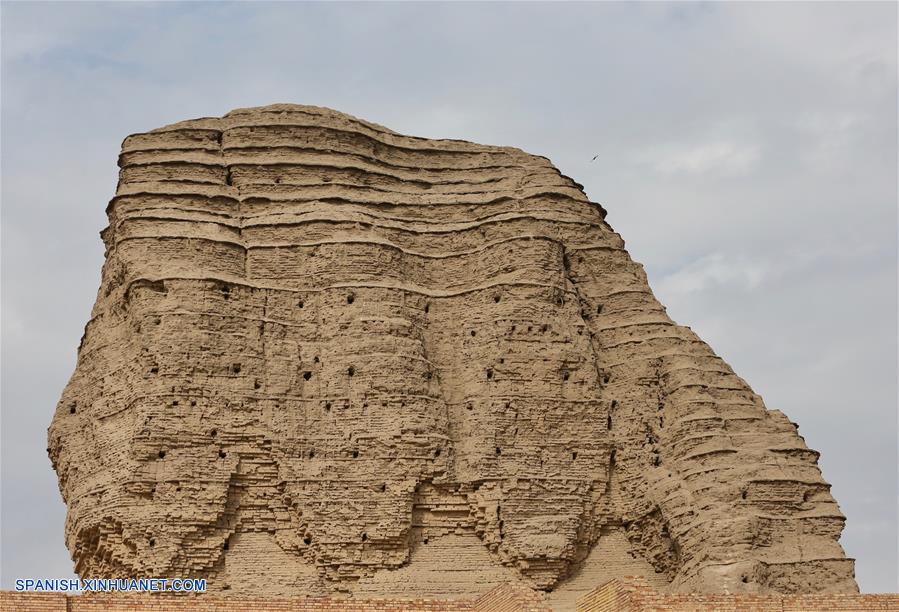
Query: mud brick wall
(42, 602)
(635, 595)
(326, 358)
(619, 595)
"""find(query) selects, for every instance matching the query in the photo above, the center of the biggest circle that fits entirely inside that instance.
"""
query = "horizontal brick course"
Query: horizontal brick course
(632, 594)
(620, 595)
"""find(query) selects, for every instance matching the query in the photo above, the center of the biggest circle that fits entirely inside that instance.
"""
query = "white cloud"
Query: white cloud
(722, 157)
(736, 273)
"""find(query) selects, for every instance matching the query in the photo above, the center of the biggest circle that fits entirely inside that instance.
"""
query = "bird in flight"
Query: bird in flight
(594, 158)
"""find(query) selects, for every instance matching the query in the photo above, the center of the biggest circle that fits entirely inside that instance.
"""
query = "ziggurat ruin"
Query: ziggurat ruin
(328, 359)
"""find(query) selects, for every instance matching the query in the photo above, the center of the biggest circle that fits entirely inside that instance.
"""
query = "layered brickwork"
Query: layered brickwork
(632, 594)
(620, 595)
(329, 358)
(47, 602)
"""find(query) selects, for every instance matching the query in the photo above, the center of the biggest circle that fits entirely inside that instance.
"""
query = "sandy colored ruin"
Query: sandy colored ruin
(326, 358)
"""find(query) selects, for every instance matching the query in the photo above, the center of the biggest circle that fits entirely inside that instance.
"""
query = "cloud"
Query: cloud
(725, 272)
(728, 158)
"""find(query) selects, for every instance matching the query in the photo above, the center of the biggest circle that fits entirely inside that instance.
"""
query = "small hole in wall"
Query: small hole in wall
(560, 301)
(350, 298)
(499, 451)
(72, 409)
(599, 309)
(437, 452)
(315, 359)
(427, 308)
(312, 454)
(177, 489)
(214, 433)
(383, 487)
(222, 454)
(574, 455)
(657, 460)
(424, 541)
(473, 333)
(355, 454)
(257, 384)
(277, 181)
(193, 402)
(152, 542)
(469, 407)
(364, 537)
(301, 304)
(429, 375)
(351, 371)
(162, 454)
(225, 545)
(806, 496)
(174, 403)
(235, 368)
(496, 299)
(744, 579)
(327, 406)
(225, 291)
(743, 494)
(489, 374)
(307, 375)
(307, 540)
(606, 378)
(609, 422)
(154, 370)
(566, 375)
(544, 328)
(614, 404)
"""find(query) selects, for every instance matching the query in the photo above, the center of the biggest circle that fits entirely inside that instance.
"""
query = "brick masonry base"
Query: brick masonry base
(619, 595)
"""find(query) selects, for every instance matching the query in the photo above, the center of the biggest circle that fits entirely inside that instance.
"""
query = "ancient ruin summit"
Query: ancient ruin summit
(329, 359)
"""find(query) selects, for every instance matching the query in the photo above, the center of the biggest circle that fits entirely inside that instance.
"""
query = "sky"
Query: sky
(747, 155)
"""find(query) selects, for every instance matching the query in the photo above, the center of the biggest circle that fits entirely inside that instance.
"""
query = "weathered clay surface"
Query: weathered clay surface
(326, 357)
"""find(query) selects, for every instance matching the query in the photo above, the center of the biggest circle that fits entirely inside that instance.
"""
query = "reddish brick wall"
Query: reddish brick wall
(634, 595)
(59, 602)
(32, 602)
(625, 595)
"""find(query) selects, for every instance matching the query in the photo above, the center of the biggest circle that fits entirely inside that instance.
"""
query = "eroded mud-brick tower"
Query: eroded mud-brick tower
(329, 358)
